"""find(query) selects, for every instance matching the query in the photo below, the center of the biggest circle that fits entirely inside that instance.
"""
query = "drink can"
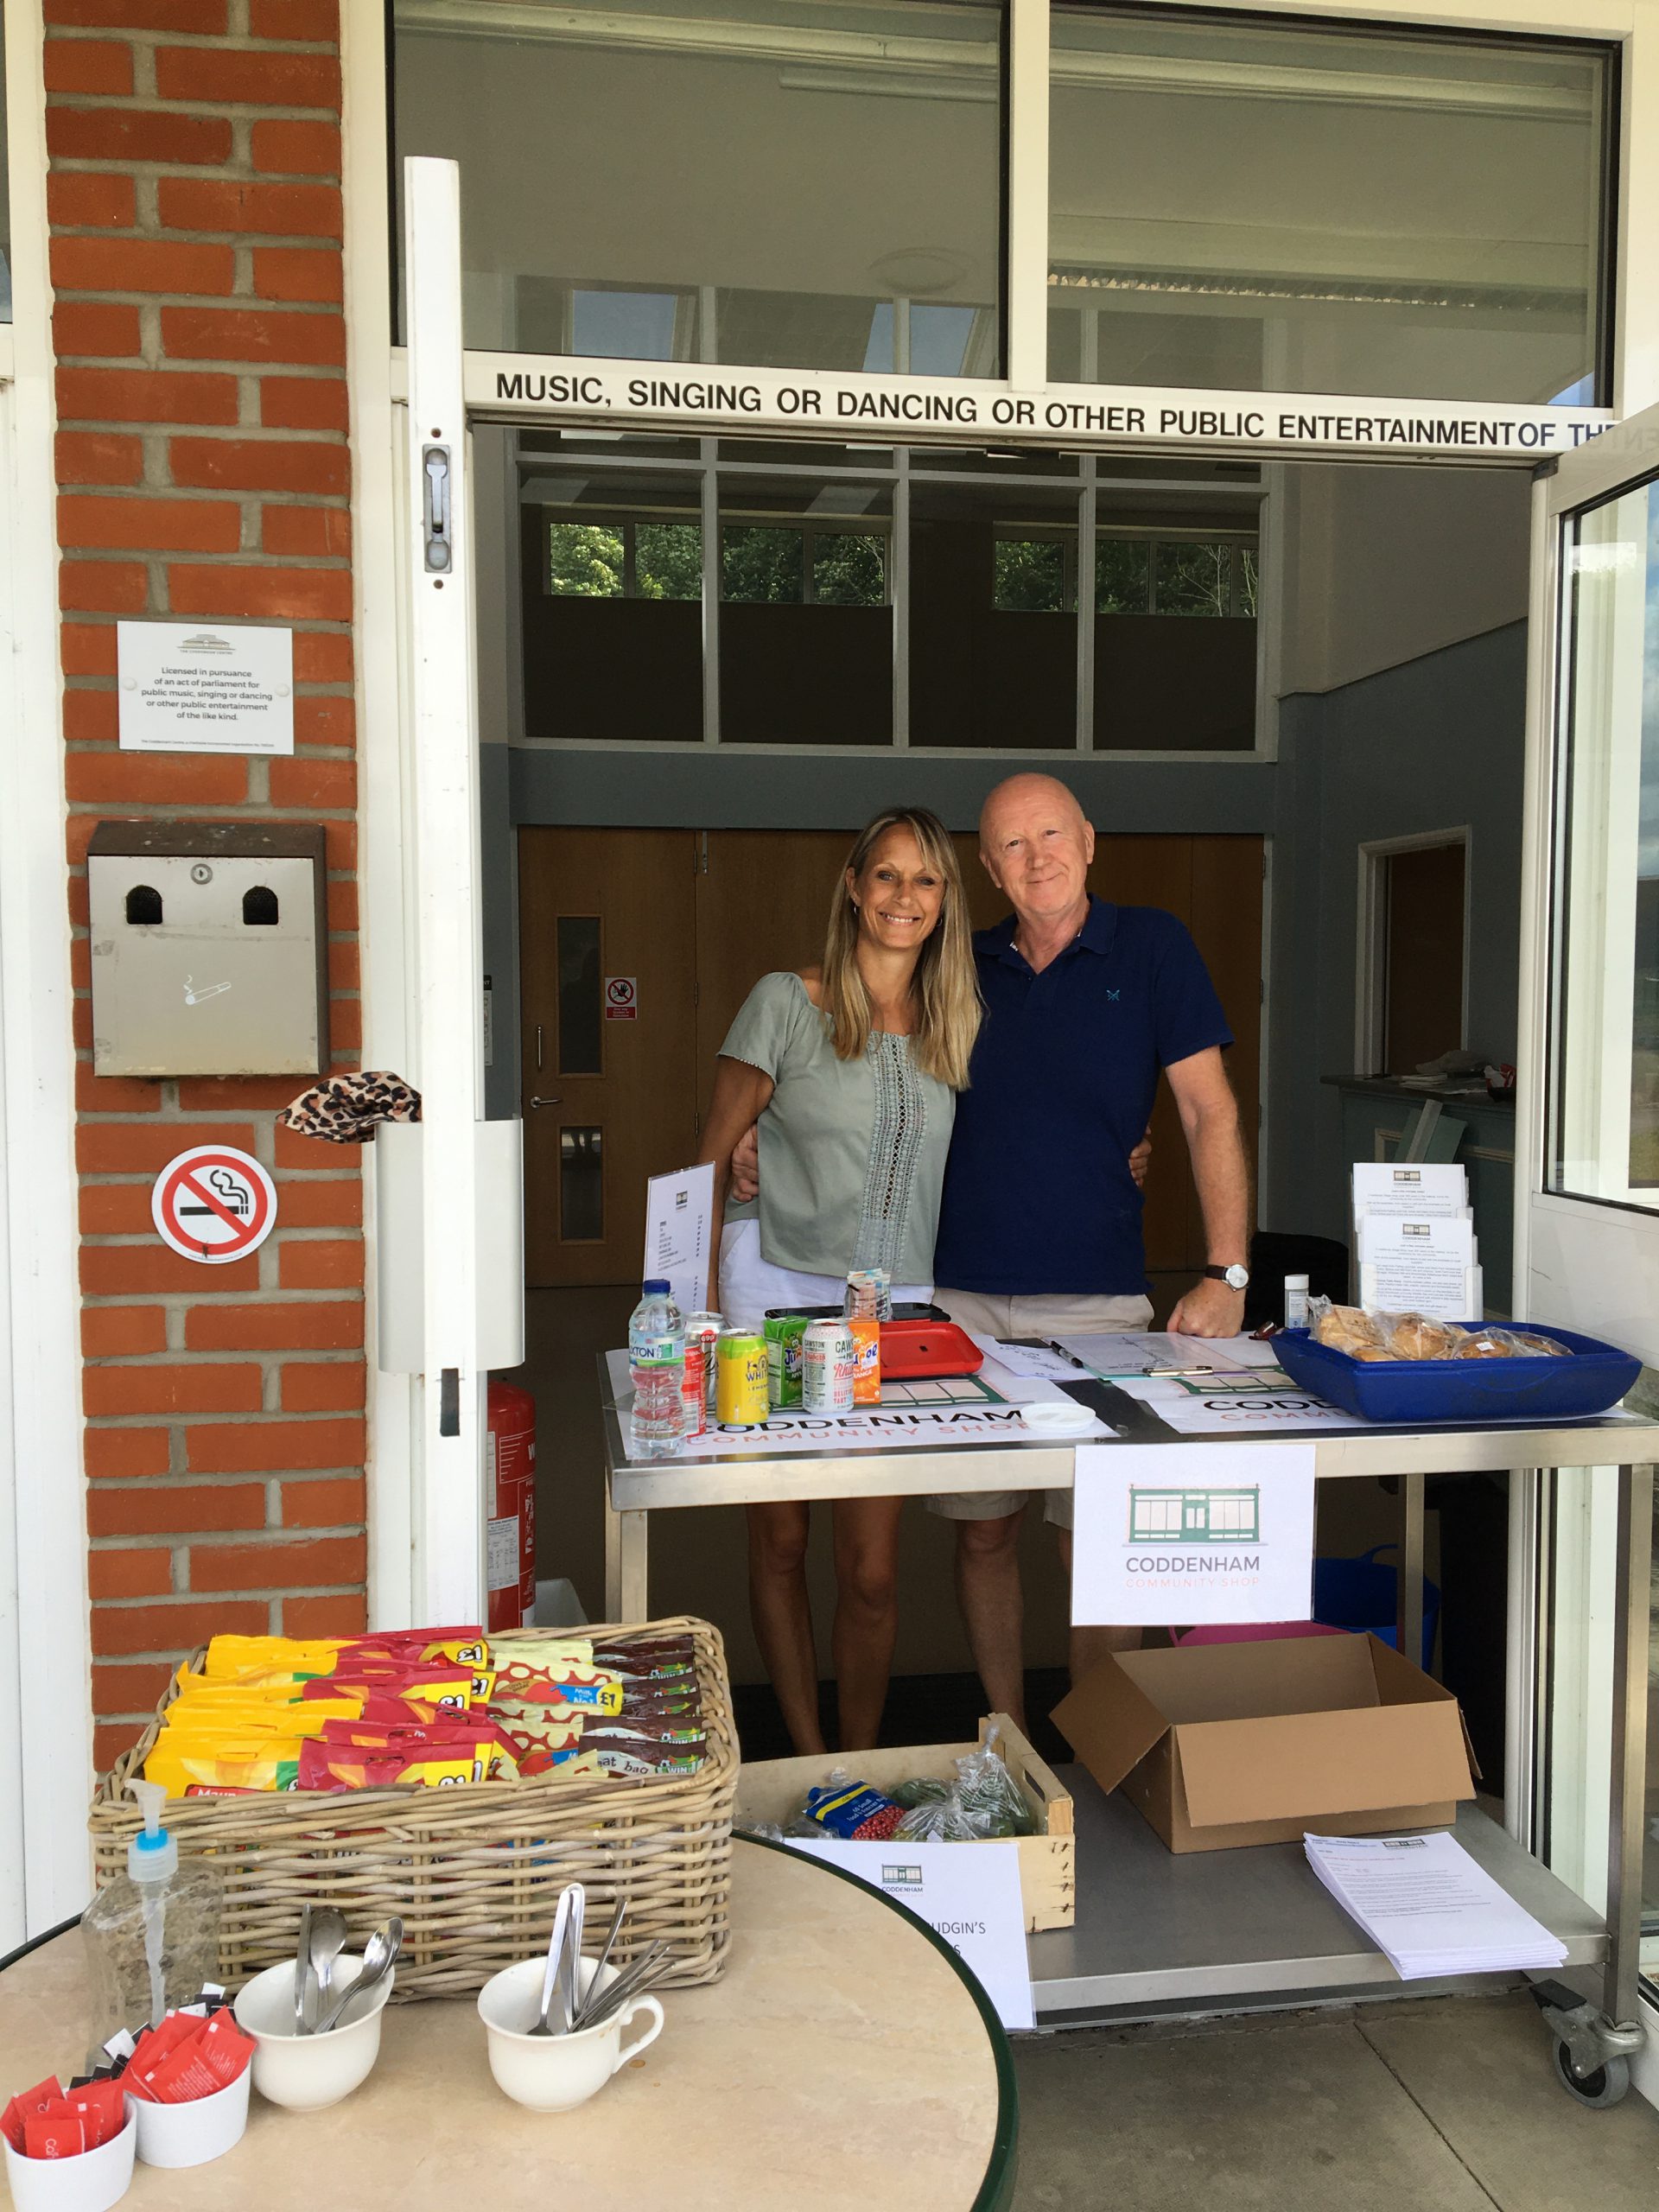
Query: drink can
(866, 1359)
(694, 1390)
(704, 1329)
(827, 1367)
(741, 1398)
(784, 1335)
(869, 1290)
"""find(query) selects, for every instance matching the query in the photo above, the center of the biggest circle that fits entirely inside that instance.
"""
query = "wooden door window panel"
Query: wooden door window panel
(582, 1185)
(582, 1019)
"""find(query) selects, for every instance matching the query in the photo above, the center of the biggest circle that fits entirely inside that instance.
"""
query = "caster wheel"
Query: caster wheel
(1605, 2086)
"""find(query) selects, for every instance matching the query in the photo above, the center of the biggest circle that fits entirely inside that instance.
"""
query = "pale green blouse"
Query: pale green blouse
(852, 1152)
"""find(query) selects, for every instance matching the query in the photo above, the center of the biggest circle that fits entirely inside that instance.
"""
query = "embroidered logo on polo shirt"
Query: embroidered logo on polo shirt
(1115, 994)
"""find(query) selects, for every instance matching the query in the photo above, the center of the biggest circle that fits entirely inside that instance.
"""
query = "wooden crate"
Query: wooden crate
(772, 1790)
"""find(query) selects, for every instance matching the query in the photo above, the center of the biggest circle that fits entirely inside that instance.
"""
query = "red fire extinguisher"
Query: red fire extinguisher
(509, 1497)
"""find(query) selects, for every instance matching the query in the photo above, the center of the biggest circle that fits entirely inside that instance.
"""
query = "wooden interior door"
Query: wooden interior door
(610, 1082)
(763, 903)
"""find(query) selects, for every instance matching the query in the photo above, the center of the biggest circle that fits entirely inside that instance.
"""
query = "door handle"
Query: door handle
(546, 1102)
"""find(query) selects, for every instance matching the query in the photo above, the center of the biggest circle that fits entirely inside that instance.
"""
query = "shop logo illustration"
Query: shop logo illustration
(901, 1878)
(1206, 1515)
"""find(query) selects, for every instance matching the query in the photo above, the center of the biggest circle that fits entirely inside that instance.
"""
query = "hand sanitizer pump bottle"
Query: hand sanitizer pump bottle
(152, 1934)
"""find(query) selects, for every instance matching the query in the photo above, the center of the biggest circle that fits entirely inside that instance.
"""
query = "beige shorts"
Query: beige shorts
(1059, 1314)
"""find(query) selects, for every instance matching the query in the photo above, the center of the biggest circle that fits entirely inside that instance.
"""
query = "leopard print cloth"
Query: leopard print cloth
(347, 1109)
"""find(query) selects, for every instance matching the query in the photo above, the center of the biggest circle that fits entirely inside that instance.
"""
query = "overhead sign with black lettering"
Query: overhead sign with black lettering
(205, 687)
(1112, 417)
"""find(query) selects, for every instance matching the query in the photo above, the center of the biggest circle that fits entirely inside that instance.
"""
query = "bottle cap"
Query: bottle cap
(1296, 1283)
(656, 1284)
(153, 1854)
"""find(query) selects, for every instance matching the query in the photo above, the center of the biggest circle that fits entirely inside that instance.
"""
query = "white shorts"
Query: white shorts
(1056, 1314)
(750, 1287)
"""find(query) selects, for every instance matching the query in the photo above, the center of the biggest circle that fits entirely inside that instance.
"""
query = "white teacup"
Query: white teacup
(555, 2073)
(306, 2073)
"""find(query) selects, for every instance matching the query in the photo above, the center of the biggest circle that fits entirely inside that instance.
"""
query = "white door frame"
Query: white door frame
(1587, 1264)
(1370, 937)
(46, 1738)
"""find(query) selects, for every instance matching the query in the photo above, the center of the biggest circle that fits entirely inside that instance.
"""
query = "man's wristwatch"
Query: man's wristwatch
(1235, 1278)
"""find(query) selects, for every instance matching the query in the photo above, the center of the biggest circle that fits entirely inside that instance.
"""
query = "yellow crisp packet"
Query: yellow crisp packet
(179, 1765)
(241, 1654)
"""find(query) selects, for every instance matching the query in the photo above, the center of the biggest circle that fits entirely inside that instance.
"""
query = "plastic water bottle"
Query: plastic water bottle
(657, 1366)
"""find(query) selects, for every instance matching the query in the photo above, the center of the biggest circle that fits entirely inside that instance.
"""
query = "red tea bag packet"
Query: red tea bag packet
(37, 2100)
(226, 2051)
(57, 2132)
(103, 2109)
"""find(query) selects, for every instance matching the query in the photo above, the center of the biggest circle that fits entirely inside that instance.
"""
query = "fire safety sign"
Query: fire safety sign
(213, 1204)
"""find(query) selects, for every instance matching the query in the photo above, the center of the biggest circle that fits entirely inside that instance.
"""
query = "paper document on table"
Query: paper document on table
(1145, 1351)
(971, 1899)
(1234, 1404)
(1032, 1362)
(1429, 1907)
(679, 1234)
(1417, 1265)
(1417, 1188)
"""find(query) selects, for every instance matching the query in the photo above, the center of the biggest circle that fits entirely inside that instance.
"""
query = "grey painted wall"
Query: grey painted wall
(1433, 744)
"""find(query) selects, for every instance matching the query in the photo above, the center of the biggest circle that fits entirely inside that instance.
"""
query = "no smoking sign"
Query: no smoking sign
(213, 1204)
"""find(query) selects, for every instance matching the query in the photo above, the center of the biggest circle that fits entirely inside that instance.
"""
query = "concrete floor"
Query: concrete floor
(1445, 2105)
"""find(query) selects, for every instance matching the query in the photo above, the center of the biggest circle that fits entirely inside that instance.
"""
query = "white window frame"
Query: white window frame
(1371, 938)
(46, 1738)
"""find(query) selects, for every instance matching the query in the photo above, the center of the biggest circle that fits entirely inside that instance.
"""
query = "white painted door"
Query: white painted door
(1587, 1135)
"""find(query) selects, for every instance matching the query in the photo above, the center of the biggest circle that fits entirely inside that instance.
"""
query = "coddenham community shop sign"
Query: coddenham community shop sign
(1112, 416)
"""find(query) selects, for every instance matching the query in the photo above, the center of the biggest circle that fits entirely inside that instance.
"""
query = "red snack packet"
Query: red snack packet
(56, 2132)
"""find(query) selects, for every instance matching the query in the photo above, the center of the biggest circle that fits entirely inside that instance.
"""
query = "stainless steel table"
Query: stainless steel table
(1220, 1930)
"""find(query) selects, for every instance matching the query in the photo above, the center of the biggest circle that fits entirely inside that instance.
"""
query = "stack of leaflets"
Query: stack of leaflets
(1428, 1908)
(1414, 1238)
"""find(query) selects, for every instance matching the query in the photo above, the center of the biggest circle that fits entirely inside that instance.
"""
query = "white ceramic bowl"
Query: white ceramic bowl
(305, 2073)
(190, 2134)
(91, 2183)
(555, 2073)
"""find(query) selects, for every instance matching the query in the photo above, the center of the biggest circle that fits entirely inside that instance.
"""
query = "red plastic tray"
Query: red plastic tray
(913, 1348)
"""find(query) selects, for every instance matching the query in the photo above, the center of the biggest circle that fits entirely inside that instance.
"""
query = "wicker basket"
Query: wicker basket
(474, 1869)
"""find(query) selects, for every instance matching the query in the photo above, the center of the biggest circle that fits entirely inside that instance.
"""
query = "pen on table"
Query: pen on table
(1062, 1352)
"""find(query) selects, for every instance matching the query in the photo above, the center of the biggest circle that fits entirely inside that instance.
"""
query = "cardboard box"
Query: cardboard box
(772, 1790)
(1223, 1745)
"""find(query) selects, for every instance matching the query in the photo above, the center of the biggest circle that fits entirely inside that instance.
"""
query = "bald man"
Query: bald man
(1040, 1232)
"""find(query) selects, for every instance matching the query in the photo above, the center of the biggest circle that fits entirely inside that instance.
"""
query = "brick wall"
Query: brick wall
(203, 470)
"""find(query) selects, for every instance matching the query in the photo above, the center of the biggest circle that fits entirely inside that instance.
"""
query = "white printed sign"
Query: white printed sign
(679, 1234)
(203, 687)
(968, 1895)
(622, 998)
(1193, 1532)
(213, 1204)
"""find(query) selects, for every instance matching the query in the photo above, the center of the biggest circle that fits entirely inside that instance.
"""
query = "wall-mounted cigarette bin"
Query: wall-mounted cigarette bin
(210, 947)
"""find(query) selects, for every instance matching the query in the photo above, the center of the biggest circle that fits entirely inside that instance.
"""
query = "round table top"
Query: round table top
(843, 2054)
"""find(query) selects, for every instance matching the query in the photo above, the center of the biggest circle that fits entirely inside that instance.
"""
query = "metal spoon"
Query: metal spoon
(328, 1940)
(540, 2025)
(301, 1970)
(570, 1959)
(379, 1953)
(653, 1959)
(604, 1959)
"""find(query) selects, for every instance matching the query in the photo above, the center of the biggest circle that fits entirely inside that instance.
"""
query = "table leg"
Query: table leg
(1625, 1819)
(1409, 1610)
(626, 1566)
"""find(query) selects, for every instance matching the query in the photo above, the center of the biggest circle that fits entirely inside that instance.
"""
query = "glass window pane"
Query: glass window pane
(1249, 564)
(582, 1022)
(1123, 575)
(1193, 579)
(1604, 1103)
(5, 204)
(1250, 206)
(585, 560)
(612, 591)
(849, 569)
(1172, 686)
(805, 626)
(763, 567)
(582, 1185)
(1029, 575)
(993, 620)
(796, 183)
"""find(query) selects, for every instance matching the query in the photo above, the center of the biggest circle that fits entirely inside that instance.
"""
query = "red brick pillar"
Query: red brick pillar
(204, 470)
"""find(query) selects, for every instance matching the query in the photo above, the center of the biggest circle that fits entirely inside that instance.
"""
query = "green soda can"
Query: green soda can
(784, 1333)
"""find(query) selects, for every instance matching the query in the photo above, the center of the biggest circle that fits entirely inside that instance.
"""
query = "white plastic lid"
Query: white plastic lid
(153, 1854)
(1296, 1283)
(1057, 1417)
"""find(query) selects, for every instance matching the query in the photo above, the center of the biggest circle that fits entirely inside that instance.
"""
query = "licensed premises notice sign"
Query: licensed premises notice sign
(205, 688)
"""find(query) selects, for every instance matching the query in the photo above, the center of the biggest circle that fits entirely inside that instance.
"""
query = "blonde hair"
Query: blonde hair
(944, 989)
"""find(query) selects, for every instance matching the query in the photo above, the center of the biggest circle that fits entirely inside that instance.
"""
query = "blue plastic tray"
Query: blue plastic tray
(1413, 1391)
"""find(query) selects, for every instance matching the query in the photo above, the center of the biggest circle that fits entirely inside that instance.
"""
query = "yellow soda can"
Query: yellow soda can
(740, 1388)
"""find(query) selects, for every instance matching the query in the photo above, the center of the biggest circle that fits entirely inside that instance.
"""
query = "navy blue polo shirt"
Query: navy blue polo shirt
(1037, 1193)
